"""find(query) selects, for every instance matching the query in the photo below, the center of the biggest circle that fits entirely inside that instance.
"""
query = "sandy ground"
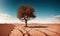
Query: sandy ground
(31, 30)
(5, 29)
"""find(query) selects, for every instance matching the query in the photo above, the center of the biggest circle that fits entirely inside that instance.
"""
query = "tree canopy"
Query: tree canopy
(25, 12)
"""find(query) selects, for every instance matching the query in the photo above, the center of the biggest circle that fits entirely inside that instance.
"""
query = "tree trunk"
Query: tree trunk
(26, 23)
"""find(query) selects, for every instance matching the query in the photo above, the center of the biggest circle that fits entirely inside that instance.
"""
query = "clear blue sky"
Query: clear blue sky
(43, 8)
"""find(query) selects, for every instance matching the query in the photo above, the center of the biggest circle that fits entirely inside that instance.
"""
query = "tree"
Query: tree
(25, 13)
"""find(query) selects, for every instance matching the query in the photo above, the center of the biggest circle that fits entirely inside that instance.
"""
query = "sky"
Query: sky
(45, 10)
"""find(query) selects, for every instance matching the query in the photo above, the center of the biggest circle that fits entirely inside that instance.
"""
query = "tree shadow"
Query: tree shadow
(37, 26)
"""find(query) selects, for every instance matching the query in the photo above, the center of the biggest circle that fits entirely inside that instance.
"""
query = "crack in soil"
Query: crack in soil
(42, 32)
(23, 34)
(53, 31)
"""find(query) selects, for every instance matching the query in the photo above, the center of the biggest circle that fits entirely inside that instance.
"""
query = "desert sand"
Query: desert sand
(31, 30)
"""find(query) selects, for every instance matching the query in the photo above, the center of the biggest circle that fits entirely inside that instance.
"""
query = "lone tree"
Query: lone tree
(25, 13)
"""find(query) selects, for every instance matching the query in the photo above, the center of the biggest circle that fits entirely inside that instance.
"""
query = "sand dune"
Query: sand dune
(31, 30)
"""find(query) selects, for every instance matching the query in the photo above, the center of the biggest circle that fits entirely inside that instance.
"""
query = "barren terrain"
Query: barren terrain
(31, 30)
